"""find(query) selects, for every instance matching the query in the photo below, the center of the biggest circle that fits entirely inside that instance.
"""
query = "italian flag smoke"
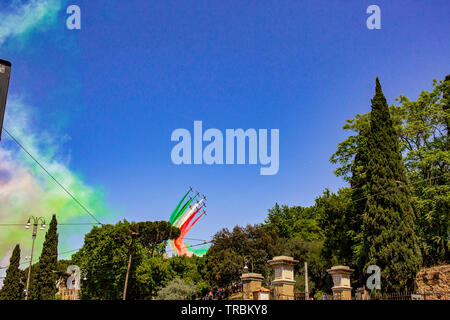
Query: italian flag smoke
(185, 217)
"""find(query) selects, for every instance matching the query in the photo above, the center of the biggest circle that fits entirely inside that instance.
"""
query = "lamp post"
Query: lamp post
(35, 221)
(246, 260)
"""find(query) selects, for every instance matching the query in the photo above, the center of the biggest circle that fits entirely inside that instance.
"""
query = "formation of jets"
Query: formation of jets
(197, 194)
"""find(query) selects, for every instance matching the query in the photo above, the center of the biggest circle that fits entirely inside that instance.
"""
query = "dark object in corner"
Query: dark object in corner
(5, 71)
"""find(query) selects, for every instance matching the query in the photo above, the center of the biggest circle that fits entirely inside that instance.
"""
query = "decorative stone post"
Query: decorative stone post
(342, 289)
(261, 294)
(283, 282)
(361, 294)
(250, 282)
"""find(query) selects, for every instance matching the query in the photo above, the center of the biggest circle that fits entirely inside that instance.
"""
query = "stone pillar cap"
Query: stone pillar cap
(282, 260)
(249, 276)
(337, 269)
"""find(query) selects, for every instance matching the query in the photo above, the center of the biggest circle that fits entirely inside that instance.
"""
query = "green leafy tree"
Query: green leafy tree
(422, 127)
(311, 253)
(333, 210)
(389, 237)
(152, 274)
(105, 255)
(424, 137)
(188, 268)
(344, 157)
(13, 283)
(43, 281)
(295, 221)
(153, 233)
(177, 289)
(226, 257)
(203, 288)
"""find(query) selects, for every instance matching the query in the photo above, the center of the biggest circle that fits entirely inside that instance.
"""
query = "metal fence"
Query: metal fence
(299, 295)
(443, 295)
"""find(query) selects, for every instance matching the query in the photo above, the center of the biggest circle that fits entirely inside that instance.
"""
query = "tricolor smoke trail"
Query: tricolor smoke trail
(25, 189)
(182, 218)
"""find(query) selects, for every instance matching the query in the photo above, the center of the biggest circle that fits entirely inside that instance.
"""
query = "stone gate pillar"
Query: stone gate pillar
(342, 289)
(283, 282)
(250, 282)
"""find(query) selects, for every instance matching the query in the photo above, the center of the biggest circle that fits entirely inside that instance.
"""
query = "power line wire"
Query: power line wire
(28, 262)
(59, 224)
(403, 185)
(51, 176)
(97, 265)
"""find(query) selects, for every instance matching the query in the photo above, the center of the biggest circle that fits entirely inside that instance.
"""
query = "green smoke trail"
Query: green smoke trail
(183, 209)
(172, 216)
(197, 251)
(26, 190)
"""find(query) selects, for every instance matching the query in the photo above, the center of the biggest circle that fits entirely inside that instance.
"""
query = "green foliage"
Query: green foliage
(347, 149)
(333, 210)
(188, 268)
(422, 127)
(310, 252)
(105, 254)
(424, 135)
(318, 295)
(202, 288)
(226, 257)
(45, 277)
(13, 283)
(388, 237)
(152, 275)
(152, 234)
(294, 221)
(177, 289)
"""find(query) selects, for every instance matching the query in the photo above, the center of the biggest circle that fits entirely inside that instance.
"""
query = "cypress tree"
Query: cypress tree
(447, 108)
(388, 230)
(44, 287)
(13, 285)
(358, 184)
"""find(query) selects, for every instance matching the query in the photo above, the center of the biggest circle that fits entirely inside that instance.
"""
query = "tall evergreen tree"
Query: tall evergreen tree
(44, 287)
(446, 107)
(13, 285)
(388, 230)
(354, 213)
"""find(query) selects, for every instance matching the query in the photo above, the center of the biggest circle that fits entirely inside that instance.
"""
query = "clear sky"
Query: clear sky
(137, 70)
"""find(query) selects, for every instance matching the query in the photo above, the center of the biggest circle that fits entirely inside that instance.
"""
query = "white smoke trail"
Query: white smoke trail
(19, 19)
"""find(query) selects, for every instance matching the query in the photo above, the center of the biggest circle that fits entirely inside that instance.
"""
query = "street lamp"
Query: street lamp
(35, 221)
(84, 274)
(246, 260)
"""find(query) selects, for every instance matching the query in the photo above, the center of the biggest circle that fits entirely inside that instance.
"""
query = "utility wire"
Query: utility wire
(193, 239)
(28, 262)
(403, 185)
(59, 224)
(51, 176)
(97, 265)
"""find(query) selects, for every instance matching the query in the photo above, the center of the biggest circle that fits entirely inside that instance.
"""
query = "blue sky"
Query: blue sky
(137, 70)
